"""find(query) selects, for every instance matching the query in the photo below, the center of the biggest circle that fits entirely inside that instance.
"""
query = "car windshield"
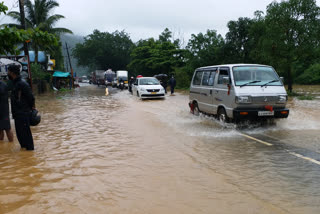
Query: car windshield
(255, 75)
(149, 81)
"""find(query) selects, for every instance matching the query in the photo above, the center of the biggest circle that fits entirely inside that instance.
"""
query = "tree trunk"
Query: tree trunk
(36, 54)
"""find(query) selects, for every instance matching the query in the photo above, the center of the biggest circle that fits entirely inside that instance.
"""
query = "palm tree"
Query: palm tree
(38, 16)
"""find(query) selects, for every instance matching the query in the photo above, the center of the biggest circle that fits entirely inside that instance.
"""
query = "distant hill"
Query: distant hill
(72, 40)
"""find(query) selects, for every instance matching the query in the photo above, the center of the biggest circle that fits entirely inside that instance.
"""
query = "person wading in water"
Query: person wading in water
(4, 113)
(22, 103)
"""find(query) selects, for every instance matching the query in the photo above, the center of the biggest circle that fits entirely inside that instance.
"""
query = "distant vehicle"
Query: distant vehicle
(238, 92)
(148, 88)
(109, 77)
(84, 79)
(122, 76)
(114, 82)
(98, 77)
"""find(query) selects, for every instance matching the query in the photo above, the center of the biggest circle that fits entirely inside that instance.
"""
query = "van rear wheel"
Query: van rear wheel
(222, 115)
(196, 110)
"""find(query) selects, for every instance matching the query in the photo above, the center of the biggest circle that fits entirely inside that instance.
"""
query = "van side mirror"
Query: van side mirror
(282, 79)
(226, 80)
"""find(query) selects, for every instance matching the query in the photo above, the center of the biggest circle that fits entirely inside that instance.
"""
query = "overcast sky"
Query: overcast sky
(148, 18)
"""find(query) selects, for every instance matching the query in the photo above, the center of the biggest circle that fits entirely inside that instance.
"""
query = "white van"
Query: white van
(238, 92)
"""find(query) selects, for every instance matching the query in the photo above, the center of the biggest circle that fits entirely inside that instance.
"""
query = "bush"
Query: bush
(38, 73)
(311, 76)
(183, 77)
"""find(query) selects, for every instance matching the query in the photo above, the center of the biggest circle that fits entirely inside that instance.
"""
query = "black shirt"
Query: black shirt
(4, 104)
(22, 99)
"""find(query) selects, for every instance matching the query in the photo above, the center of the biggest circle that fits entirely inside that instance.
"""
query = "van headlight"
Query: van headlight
(142, 89)
(243, 99)
(282, 99)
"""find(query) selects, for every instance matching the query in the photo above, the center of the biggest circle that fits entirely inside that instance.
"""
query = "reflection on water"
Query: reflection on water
(117, 154)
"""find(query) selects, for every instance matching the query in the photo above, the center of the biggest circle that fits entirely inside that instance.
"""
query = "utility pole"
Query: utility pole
(25, 44)
(70, 65)
(67, 65)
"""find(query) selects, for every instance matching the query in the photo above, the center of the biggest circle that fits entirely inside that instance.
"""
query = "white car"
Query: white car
(148, 88)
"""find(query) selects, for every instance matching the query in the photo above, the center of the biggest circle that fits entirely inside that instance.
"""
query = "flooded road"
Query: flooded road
(117, 154)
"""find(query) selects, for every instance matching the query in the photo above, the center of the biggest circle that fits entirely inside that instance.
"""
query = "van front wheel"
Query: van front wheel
(222, 115)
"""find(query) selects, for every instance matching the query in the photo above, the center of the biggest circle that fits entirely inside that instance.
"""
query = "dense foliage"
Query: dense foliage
(103, 50)
(151, 57)
(40, 19)
(286, 37)
(11, 37)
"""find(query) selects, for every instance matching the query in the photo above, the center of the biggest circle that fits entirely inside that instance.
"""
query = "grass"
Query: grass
(184, 91)
(65, 90)
(305, 97)
(293, 94)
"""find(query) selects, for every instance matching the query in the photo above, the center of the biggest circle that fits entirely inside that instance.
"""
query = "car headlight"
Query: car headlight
(243, 99)
(282, 99)
(142, 89)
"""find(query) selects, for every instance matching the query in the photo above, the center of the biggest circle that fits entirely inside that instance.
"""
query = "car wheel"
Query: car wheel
(222, 115)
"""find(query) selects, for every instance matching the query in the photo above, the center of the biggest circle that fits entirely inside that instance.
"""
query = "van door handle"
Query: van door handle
(210, 92)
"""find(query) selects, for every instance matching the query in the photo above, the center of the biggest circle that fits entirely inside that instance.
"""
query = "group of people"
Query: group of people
(22, 104)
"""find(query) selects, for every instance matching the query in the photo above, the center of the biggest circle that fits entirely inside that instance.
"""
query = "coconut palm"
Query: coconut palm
(38, 16)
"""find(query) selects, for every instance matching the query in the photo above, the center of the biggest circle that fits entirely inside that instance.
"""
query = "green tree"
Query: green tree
(3, 8)
(11, 37)
(102, 50)
(257, 32)
(38, 16)
(151, 57)
(205, 49)
(238, 44)
(292, 33)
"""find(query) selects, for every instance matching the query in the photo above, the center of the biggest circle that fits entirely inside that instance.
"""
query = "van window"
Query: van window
(224, 72)
(208, 78)
(197, 78)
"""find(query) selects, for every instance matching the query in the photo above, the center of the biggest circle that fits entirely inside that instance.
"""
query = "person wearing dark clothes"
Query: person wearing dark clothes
(4, 113)
(22, 103)
(172, 83)
(131, 82)
(164, 85)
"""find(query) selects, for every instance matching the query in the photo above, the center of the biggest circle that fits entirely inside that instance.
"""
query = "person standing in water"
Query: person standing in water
(4, 113)
(22, 103)
(172, 83)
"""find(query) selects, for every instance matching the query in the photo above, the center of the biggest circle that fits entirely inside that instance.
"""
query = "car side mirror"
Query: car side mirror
(282, 79)
(226, 80)
(136, 84)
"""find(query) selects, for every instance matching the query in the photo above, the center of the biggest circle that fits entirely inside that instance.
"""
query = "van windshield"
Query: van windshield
(255, 75)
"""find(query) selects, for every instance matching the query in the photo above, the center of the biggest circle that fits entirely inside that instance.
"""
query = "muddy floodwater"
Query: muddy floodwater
(117, 154)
